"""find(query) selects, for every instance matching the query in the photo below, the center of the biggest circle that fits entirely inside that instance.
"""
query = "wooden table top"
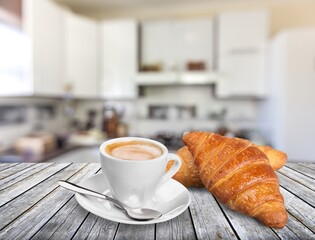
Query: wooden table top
(33, 206)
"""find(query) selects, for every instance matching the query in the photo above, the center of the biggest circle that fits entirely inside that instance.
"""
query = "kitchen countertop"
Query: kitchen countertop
(12, 154)
(34, 206)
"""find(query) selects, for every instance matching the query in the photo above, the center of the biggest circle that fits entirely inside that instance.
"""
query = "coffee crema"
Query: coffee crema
(134, 150)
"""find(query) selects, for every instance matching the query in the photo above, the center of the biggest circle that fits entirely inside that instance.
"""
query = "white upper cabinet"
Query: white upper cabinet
(43, 23)
(57, 51)
(13, 57)
(193, 42)
(82, 59)
(157, 44)
(242, 39)
(242, 31)
(119, 54)
(171, 45)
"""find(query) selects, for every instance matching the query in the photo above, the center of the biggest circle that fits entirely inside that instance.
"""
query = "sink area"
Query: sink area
(80, 155)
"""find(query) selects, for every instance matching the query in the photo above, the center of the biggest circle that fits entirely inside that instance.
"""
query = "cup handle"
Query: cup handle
(175, 167)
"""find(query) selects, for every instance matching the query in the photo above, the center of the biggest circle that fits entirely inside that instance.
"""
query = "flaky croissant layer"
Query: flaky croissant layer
(239, 175)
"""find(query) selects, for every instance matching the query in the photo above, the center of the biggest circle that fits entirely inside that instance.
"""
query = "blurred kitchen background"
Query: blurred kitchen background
(76, 72)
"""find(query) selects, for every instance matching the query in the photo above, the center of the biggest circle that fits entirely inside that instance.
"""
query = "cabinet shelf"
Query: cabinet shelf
(178, 78)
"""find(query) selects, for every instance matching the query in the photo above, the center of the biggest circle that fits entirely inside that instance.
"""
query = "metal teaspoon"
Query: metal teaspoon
(141, 214)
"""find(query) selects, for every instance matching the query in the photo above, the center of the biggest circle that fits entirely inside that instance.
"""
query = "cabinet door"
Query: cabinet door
(119, 58)
(242, 43)
(157, 44)
(175, 43)
(242, 75)
(47, 20)
(193, 41)
(13, 58)
(82, 55)
(242, 30)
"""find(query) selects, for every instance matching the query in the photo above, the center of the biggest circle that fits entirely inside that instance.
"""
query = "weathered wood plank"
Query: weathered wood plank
(94, 228)
(13, 170)
(248, 227)
(294, 230)
(23, 186)
(301, 168)
(301, 219)
(25, 173)
(27, 224)
(298, 177)
(22, 203)
(307, 164)
(179, 228)
(65, 223)
(5, 166)
(208, 219)
(299, 190)
(17, 206)
(127, 232)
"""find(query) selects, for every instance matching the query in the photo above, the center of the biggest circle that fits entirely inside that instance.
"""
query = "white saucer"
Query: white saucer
(171, 199)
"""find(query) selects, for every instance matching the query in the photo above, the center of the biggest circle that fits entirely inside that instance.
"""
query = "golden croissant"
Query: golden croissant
(188, 174)
(239, 175)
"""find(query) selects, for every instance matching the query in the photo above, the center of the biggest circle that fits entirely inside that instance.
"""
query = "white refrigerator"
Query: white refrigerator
(287, 116)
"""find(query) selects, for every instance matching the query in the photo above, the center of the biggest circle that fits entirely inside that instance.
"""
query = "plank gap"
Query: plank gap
(293, 216)
(17, 169)
(297, 181)
(5, 166)
(23, 218)
(20, 194)
(301, 172)
(297, 196)
(39, 200)
(50, 216)
(308, 165)
(89, 213)
(36, 171)
(193, 223)
(227, 218)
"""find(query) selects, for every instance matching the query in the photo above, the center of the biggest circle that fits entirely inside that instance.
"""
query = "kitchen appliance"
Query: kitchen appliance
(287, 115)
(33, 146)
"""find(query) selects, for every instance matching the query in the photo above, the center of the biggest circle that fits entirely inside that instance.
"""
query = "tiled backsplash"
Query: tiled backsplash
(186, 108)
(182, 108)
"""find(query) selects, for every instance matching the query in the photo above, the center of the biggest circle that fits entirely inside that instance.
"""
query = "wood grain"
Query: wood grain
(208, 219)
(33, 206)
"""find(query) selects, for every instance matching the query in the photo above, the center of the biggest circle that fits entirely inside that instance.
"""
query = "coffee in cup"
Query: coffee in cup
(134, 150)
(134, 168)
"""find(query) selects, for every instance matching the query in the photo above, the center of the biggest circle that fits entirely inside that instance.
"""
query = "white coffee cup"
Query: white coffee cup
(134, 182)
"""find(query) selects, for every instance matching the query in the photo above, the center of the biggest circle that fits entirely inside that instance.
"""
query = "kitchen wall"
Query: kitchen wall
(283, 13)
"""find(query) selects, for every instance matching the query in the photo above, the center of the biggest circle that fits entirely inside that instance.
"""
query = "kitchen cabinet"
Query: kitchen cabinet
(119, 54)
(57, 52)
(172, 45)
(82, 59)
(242, 40)
(13, 52)
(43, 24)
(287, 116)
